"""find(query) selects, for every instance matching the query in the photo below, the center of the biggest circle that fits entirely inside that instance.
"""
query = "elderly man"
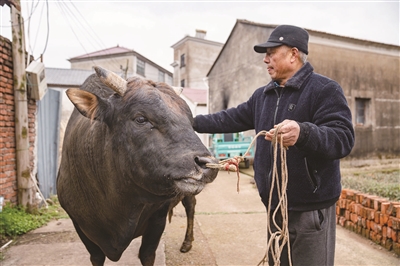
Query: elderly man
(315, 123)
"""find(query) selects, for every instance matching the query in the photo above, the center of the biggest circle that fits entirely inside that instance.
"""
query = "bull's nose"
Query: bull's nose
(208, 174)
(202, 161)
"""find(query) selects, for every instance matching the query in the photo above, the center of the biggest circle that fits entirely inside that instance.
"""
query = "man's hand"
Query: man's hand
(289, 132)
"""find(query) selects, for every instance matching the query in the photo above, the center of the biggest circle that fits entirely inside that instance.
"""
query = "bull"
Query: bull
(129, 155)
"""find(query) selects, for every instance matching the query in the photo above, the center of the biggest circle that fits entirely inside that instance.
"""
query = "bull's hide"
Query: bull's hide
(129, 151)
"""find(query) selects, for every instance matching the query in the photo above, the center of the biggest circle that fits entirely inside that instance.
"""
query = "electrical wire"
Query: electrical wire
(48, 28)
(33, 8)
(72, 19)
(97, 38)
(31, 50)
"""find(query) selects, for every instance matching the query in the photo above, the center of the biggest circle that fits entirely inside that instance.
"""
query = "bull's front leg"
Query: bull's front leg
(189, 202)
(97, 257)
(152, 235)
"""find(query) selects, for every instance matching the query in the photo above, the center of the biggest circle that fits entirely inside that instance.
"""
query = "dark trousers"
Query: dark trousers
(312, 237)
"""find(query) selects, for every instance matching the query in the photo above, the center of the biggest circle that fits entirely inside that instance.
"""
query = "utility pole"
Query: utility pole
(26, 187)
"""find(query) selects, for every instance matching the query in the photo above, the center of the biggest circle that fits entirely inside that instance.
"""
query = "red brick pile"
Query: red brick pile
(373, 217)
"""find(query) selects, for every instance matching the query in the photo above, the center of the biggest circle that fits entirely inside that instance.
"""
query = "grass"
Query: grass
(384, 183)
(15, 221)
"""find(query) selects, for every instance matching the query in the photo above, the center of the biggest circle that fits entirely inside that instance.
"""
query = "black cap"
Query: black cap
(285, 34)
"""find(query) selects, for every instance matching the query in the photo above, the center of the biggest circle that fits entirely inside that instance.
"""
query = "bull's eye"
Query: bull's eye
(141, 120)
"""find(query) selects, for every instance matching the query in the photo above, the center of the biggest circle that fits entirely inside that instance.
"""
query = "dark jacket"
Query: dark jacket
(318, 104)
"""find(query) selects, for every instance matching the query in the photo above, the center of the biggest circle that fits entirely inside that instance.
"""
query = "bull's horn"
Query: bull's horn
(112, 80)
(178, 90)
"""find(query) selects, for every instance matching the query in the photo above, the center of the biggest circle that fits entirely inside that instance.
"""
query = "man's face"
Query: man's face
(278, 63)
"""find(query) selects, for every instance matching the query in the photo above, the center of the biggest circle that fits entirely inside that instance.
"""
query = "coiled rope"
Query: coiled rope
(277, 240)
(280, 238)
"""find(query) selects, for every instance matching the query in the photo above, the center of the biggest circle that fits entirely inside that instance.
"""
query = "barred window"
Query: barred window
(140, 67)
(183, 63)
(182, 83)
(362, 108)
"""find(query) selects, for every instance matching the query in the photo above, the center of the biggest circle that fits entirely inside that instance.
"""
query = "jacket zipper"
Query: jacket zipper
(277, 103)
(276, 112)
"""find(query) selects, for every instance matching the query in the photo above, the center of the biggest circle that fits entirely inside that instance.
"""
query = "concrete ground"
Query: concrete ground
(58, 244)
(230, 229)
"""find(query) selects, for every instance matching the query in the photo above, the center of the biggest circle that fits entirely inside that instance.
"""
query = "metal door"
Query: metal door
(48, 132)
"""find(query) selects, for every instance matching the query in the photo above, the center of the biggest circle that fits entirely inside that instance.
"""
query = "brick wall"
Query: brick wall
(8, 168)
(373, 217)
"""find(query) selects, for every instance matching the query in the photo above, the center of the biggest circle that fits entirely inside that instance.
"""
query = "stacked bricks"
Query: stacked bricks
(8, 168)
(373, 217)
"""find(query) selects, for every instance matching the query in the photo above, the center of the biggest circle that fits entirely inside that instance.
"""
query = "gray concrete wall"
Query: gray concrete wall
(364, 74)
(239, 70)
(112, 63)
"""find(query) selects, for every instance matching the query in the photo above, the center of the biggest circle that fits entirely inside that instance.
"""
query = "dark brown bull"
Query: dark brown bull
(129, 154)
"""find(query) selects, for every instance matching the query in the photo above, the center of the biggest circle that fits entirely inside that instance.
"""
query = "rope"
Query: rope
(280, 238)
(232, 164)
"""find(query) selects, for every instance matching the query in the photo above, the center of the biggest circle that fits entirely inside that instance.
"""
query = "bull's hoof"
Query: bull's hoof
(186, 246)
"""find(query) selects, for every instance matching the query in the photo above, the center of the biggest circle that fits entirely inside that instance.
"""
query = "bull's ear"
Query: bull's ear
(87, 103)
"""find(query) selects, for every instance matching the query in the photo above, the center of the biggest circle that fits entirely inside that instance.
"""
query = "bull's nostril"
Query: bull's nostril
(202, 161)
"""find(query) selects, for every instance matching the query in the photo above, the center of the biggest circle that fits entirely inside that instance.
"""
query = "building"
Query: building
(197, 102)
(367, 71)
(193, 57)
(123, 61)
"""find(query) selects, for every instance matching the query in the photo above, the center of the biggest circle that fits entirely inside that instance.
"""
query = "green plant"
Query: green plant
(15, 221)
(383, 183)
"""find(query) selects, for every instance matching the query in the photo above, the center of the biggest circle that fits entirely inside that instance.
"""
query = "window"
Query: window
(161, 76)
(362, 111)
(183, 63)
(182, 83)
(140, 67)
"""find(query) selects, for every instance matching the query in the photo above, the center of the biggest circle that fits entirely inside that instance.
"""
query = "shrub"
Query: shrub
(383, 183)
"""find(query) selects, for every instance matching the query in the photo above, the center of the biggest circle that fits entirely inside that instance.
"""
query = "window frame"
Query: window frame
(362, 108)
(183, 60)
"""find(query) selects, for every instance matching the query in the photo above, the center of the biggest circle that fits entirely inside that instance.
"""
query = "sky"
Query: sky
(64, 29)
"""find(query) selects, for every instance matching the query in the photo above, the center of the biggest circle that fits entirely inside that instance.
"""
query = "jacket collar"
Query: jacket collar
(296, 81)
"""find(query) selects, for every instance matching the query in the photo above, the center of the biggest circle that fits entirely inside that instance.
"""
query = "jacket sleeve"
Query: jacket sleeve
(232, 120)
(331, 132)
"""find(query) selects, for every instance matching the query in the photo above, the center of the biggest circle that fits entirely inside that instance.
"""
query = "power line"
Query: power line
(48, 27)
(29, 23)
(90, 35)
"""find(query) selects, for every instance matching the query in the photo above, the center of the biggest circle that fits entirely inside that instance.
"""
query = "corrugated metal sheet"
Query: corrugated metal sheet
(49, 115)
